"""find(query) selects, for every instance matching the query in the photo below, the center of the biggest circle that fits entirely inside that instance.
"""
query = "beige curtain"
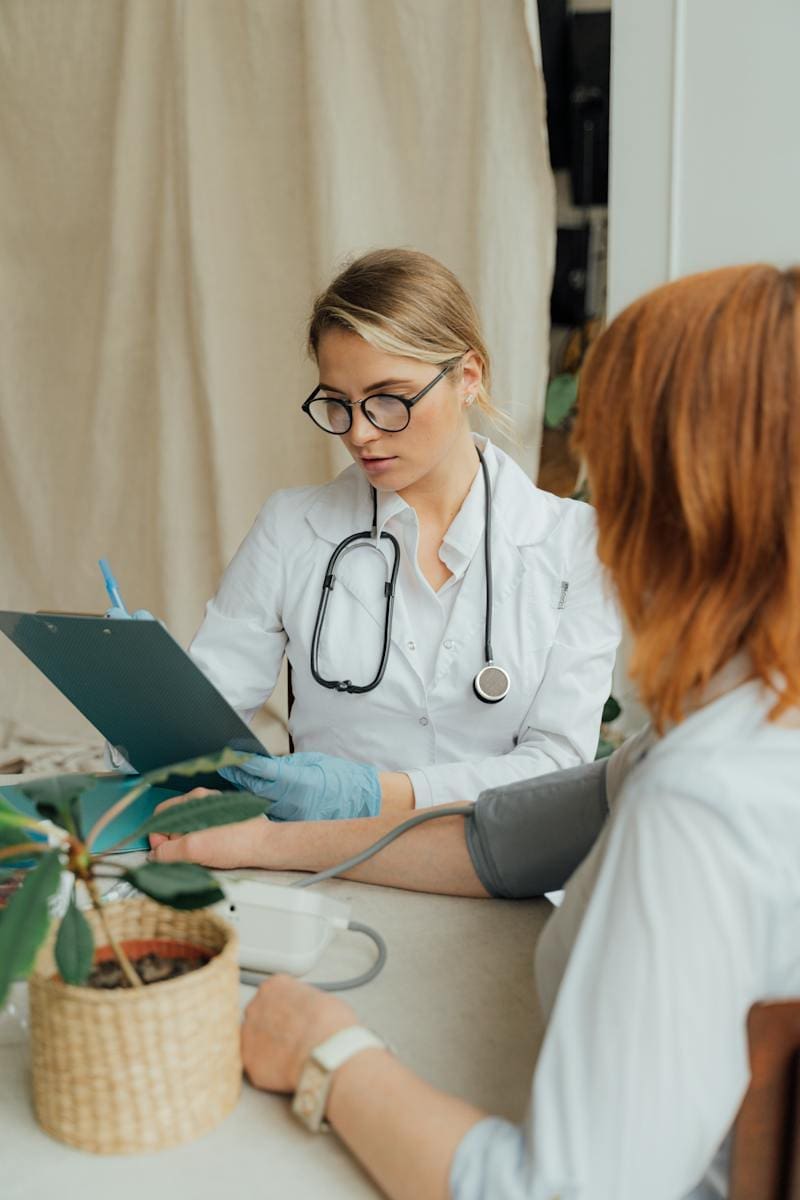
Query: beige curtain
(178, 178)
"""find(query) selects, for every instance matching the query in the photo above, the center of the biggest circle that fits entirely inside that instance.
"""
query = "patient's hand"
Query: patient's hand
(224, 846)
(282, 1025)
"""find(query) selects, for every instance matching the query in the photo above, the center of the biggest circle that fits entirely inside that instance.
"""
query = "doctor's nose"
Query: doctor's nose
(362, 431)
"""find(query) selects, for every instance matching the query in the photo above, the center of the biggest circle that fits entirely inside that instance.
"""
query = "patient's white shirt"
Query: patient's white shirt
(686, 911)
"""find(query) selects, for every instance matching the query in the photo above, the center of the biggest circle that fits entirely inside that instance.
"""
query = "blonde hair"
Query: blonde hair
(404, 302)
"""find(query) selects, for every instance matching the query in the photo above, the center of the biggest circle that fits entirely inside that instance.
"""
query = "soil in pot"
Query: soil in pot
(153, 961)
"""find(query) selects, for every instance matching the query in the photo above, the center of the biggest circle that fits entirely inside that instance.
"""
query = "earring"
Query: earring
(470, 397)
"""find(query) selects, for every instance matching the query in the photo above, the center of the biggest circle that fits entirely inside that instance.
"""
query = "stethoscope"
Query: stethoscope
(491, 684)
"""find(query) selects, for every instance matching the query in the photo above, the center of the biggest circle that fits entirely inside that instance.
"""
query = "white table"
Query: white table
(455, 999)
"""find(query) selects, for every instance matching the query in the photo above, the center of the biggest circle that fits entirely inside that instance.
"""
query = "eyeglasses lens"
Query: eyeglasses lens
(386, 412)
(332, 415)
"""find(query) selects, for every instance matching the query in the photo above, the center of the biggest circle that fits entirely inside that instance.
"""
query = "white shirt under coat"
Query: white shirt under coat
(682, 916)
(555, 630)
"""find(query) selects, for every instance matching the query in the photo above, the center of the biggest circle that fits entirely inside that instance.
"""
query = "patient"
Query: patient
(684, 911)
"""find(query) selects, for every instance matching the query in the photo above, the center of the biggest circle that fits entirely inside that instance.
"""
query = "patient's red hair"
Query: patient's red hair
(689, 420)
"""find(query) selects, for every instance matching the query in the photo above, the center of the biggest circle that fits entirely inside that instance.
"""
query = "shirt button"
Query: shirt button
(448, 645)
(423, 720)
(411, 645)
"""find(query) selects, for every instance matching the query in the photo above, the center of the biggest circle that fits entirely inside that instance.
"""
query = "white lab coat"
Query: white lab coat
(681, 917)
(555, 629)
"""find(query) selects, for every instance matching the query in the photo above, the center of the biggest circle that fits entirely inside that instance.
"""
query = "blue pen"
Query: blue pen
(111, 585)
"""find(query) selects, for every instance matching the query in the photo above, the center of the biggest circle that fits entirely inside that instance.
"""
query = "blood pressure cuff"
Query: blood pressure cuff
(527, 838)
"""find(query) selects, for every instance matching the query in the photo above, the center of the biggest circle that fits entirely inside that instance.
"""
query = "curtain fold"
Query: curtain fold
(179, 178)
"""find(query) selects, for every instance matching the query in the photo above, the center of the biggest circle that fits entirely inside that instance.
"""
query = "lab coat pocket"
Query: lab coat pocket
(544, 603)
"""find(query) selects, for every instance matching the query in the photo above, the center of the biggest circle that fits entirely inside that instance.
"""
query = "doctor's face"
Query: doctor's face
(351, 370)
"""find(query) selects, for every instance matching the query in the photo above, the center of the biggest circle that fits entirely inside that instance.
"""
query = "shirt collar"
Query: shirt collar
(345, 506)
(465, 534)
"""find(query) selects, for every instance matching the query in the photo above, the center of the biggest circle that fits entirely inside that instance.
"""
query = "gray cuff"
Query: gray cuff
(527, 838)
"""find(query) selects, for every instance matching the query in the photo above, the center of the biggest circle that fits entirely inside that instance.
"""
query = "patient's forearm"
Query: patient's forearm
(431, 858)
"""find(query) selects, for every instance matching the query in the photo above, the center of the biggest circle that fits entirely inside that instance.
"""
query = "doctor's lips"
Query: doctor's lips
(375, 465)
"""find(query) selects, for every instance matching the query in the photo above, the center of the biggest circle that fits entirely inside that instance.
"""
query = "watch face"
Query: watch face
(312, 1092)
(311, 1096)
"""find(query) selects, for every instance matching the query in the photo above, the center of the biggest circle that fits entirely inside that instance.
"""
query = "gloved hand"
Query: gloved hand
(310, 786)
(119, 614)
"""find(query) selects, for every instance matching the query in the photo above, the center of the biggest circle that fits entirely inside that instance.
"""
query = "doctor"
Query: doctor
(463, 639)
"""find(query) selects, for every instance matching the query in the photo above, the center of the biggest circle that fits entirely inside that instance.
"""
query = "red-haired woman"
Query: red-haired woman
(685, 910)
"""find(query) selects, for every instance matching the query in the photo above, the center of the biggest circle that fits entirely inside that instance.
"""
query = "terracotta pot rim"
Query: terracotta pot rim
(139, 947)
(80, 993)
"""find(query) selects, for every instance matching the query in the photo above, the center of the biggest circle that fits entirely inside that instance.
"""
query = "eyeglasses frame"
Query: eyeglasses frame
(407, 402)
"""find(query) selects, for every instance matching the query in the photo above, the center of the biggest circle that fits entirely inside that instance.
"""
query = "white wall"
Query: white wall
(705, 144)
(705, 149)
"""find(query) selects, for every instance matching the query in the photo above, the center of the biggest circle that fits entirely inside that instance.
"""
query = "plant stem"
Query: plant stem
(108, 816)
(120, 955)
(24, 850)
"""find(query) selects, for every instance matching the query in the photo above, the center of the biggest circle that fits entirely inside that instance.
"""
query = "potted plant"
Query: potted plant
(120, 1065)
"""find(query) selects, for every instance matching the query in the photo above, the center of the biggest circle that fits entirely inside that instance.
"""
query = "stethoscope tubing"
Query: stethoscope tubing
(389, 589)
(371, 536)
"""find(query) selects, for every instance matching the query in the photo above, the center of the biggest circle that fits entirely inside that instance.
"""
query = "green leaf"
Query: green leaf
(13, 835)
(25, 920)
(54, 798)
(604, 749)
(179, 885)
(74, 945)
(10, 816)
(204, 812)
(198, 766)
(611, 710)
(562, 393)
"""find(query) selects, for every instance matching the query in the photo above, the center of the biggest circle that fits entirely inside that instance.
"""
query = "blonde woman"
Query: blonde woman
(464, 639)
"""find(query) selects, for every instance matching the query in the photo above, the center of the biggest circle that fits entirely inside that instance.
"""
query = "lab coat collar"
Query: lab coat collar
(520, 517)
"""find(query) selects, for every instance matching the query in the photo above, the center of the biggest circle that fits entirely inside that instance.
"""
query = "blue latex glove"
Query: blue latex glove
(309, 786)
(119, 614)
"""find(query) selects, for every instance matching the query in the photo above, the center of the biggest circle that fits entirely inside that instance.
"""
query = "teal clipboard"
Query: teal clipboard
(136, 685)
(95, 801)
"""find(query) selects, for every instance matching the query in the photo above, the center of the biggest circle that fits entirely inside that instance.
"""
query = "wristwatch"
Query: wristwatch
(316, 1077)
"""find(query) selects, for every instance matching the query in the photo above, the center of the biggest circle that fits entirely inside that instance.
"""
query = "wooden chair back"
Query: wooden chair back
(765, 1155)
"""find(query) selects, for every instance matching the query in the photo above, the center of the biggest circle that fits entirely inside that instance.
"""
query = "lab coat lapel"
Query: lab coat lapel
(521, 516)
(467, 622)
(344, 508)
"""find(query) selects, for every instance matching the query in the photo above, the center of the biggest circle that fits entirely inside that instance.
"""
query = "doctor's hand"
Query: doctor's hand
(282, 1025)
(224, 847)
(309, 786)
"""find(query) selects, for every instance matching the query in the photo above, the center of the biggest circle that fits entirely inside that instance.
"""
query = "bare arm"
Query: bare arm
(433, 858)
(403, 1131)
(408, 1133)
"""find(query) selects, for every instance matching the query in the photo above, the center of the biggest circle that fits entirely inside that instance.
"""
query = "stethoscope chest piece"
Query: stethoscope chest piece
(491, 684)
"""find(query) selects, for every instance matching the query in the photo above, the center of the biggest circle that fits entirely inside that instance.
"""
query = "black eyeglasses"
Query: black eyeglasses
(388, 413)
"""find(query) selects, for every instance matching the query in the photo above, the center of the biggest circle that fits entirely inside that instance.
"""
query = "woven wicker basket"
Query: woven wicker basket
(138, 1069)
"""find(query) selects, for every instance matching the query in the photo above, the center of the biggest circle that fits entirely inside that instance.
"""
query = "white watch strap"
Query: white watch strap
(343, 1045)
(315, 1082)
